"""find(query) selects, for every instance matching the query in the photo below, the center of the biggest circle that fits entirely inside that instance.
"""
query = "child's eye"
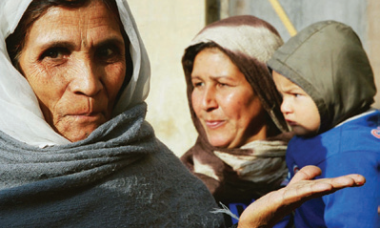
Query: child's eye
(296, 95)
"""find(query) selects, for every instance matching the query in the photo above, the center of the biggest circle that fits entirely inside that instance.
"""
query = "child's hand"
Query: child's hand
(269, 209)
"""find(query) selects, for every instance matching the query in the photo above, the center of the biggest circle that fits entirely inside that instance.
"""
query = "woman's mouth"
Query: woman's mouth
(213, 124)
(87, 117)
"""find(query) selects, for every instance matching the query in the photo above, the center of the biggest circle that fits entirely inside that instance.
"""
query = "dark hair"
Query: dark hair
(16, 41)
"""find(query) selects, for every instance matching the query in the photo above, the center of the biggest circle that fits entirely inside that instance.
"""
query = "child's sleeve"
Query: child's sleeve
(354, 207)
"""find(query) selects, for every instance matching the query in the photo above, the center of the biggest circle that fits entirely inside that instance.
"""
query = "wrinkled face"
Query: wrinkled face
(225, 103)
(299, 109)
(74, 60)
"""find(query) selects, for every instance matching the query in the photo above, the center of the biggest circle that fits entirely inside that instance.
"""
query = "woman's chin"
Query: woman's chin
(217, 142)
(76, 128)
(76, 134)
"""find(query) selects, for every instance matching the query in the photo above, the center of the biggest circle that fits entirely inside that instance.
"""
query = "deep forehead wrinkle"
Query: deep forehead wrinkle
(64, 15)
(83, 21)
(81, 27)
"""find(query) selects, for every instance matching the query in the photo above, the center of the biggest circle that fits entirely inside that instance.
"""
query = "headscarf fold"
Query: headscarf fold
(119, 176)
(230, 173)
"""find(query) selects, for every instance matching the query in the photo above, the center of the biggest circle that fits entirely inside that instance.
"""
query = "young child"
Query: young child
(327, 85)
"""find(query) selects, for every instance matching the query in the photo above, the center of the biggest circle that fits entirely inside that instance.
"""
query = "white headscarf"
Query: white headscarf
(20, 115)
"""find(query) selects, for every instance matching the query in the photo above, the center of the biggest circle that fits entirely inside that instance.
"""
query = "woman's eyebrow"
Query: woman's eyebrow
(71, 45)
(61, 44)
(111, 41)
(222, 77)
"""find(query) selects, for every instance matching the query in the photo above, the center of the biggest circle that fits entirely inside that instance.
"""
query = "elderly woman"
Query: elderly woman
(75, 150)
(235, 107)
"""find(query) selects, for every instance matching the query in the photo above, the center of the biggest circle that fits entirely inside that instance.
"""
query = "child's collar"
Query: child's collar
(371, 110)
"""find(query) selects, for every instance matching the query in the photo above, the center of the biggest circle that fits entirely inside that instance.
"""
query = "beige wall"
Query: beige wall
(373, 36)
(167, 27)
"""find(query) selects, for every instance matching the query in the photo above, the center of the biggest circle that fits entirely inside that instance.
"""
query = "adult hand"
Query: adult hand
(272, 207)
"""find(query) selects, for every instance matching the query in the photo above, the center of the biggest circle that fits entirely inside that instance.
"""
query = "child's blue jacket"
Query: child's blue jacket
(352, 147)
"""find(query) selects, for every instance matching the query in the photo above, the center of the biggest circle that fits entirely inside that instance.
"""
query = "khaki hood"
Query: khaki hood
(327, 61)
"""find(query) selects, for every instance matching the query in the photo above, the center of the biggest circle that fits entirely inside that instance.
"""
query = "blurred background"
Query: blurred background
(167, 27)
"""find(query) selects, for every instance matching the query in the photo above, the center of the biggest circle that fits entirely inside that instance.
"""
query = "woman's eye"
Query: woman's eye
(108, 54)
(198, 84)
(220, 84)
(54, 53)
(105, 52)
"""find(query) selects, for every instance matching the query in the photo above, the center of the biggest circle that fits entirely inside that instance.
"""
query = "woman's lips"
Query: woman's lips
(85, 117)
(213, 124)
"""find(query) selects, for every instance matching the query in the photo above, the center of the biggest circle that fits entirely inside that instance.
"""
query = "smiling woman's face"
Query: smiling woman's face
(224, 101)
(74, 60)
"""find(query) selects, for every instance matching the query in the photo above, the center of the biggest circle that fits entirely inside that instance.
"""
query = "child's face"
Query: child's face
(299, 109)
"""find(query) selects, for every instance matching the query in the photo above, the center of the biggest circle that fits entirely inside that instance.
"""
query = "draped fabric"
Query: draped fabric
(241, 174)
(20, 109)
(120, 176)
(249, 42)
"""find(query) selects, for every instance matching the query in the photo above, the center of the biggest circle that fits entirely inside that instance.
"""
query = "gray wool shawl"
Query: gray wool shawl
(120, 176)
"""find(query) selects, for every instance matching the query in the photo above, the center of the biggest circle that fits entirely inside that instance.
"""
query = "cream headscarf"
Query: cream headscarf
(20, 115)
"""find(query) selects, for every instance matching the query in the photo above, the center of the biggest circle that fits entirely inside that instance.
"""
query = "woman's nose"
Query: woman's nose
(87, 79)
(209, 101)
